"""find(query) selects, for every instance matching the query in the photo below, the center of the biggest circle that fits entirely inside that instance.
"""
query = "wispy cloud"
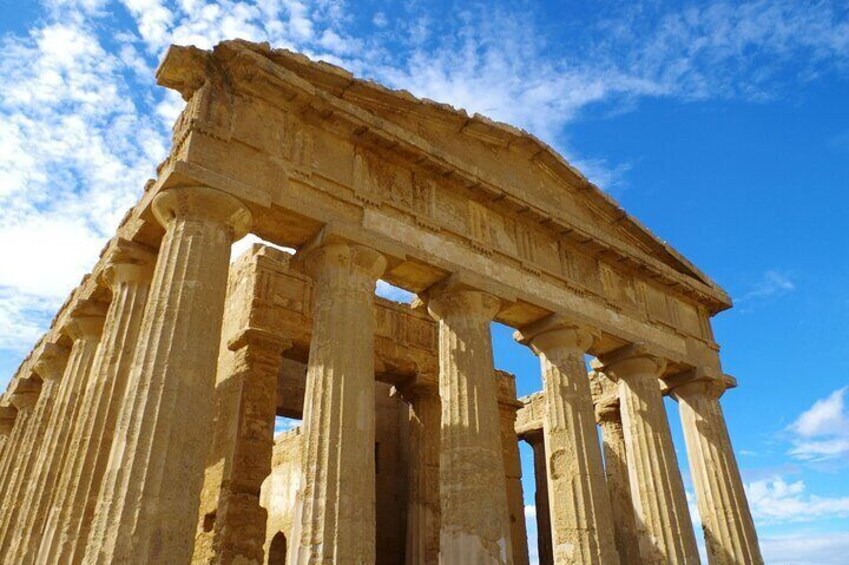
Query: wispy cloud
(772, 284)
(813, 548)
(82, 124)
(776, 501)
(821, 433)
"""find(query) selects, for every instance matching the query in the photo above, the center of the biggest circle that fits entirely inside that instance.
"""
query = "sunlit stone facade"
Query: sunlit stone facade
(140, 429)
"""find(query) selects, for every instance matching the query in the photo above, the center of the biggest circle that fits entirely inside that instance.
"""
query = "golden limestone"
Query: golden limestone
(140, 429)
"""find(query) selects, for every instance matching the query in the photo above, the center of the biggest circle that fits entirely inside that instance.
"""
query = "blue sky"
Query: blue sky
(722, 126)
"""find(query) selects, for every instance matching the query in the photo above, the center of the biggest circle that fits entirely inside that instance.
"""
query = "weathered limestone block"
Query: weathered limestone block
(508, 405)
(608, 417)
(581, 523)
(423, 509)
(536, 439)
(148, 504)
(85, 331)
(730, 535)
(247, 396)
(475, 527)
(51, 368)
(660, 505)
(337, 499)
(66, 533)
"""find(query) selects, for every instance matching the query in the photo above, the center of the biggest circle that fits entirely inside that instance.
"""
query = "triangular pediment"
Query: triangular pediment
(483, 140)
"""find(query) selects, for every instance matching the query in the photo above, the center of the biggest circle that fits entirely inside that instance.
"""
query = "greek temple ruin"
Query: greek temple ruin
(140, 428)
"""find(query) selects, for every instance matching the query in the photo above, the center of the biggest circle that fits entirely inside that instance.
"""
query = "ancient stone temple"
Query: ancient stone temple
(140, 429)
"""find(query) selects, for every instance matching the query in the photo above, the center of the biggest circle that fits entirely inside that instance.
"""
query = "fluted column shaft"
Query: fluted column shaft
(51, 368)
(618, 487)
(543, 511)
(423, 512)
(24, 399)
(475, 525)
(660, 505)
(85, 332)
(337, 498)
(148, 503)
(251, 398)
(513, 478)
(581, 522)
(8, 418)
(730, 535)
(66, 532)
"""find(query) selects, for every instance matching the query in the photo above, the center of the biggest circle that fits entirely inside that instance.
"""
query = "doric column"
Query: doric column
(337, 498)
(85, 331)
(727, 523)
(536, 440)
(423, 513)
(50, 366)
(508, 405)
(8, 415)
(247, 399)
(475, 527)
(581, 522)
(23, 399)
(609, 419)
(128, 275)
(660, 505)
(148, 503)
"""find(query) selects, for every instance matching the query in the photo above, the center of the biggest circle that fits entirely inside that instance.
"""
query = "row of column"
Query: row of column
(104, 460)
(110, 466)
(642, 483)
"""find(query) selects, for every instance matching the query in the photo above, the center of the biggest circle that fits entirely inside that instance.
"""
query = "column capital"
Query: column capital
(128, 261)
(447, 299)
(704, 385)
(50, 365)
(26, 394)
(84, 326)
(358, 264)
(556, 333)
(8, 414)
(202, 202)
(632, 360)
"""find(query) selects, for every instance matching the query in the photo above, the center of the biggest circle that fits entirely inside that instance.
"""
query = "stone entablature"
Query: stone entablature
(471, 218)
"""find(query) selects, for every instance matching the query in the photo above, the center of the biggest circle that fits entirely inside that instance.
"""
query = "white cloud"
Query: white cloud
(812, 548)
(772, 284)
(776, 501)
(82, 125)
(530, 511)
(822, 432)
